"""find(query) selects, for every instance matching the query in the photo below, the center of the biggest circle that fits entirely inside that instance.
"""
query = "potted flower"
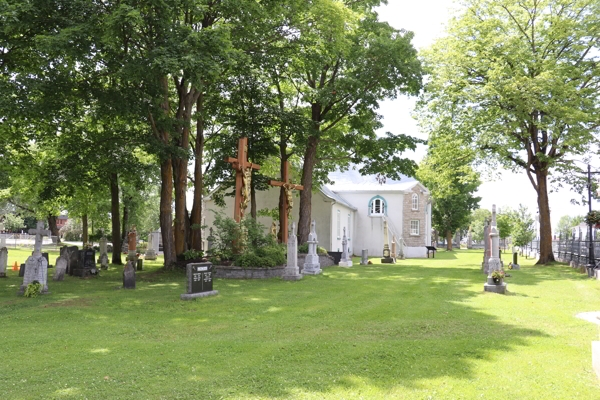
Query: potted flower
(498, 276)
(593, 217)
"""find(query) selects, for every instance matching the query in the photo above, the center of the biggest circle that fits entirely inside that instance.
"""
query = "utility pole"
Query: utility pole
(591, 257)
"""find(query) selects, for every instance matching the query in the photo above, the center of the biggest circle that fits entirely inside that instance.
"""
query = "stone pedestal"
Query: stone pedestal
(152, 246)
(501, 288)
(312, 265)
(387, 259)
(291, 271)
(494, 262)
(364, 257)
(129, 276)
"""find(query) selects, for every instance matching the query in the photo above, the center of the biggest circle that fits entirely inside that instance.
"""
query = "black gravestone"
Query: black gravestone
(70, 254)
(45, 255)
(22, 270)
(199, 281)
(86, 264)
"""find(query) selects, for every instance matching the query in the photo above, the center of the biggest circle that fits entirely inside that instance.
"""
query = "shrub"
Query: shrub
(192, 254)
(303, 248)
(33, 289)
(275, 252)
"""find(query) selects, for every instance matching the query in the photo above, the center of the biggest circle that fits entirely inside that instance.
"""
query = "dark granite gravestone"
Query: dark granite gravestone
(140, 264)
(45, 255)
(337, 256)
(86, 264)
(72, 256)
(129, 276)
(199, 281)
(22, 270)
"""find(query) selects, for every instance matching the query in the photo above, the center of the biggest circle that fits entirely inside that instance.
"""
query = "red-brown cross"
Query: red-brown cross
(288, 187)
(241, 165)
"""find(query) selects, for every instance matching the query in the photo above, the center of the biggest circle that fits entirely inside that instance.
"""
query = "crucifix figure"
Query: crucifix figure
(39, 232)
(243, 176)
(288, 204)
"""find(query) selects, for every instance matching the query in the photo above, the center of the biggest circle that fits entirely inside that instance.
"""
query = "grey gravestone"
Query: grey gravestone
(86, 265)
(104, 261)
(364, 257)
(61, 268)
(36, 266)
(3, 261)
(2, 240)
(103, 247)
(152, 249)
(312, 265)
(346, 261)
(486, 246)
(469, 239)
(199, 281)
(291, 272)
(515, 262)
(210, 239)
(494, 261)
(386, 247)
(129, 276)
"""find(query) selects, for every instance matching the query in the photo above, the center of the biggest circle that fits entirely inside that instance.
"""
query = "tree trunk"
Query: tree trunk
(114, 210)
(125, 219)
(546, 254)
(180, 182)
(449, 240)
(166, 212)
(84, 224)
(53, 228)
(310, 158)
(196, 217)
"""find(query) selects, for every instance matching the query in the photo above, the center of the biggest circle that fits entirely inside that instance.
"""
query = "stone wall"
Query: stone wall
(411, 215)
(234, 272)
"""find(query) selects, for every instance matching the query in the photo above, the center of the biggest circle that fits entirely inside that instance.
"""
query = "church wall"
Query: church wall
(419, 215)
(369, 229)
(336, 239)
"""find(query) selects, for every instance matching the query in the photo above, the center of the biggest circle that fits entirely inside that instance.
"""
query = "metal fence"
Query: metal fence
(576, 250)
(25, 240)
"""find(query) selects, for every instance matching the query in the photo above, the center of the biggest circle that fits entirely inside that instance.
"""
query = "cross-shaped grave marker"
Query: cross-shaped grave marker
(243, 174)
(39, 232)
(288, 203)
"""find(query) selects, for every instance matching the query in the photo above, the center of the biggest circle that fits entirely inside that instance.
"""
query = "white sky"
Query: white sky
(427, 18)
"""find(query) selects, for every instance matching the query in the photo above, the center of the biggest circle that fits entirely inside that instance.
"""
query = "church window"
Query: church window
(377, 206)
(414, 227)
(415, 201)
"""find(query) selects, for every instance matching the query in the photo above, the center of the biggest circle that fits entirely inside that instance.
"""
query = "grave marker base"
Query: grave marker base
(501, 289)
(190, 296)
(388, 260)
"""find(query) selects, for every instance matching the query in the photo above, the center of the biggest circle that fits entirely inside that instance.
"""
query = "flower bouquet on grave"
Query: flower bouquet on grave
(498, 276)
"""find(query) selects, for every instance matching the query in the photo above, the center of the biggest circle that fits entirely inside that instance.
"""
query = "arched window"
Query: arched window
(377, 206)
(415, 201)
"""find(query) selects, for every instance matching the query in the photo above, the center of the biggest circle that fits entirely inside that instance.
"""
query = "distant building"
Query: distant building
(61, 221)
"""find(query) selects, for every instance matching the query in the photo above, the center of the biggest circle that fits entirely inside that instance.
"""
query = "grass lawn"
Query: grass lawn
(420, 329)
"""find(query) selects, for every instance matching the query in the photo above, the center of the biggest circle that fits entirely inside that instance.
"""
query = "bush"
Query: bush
(303, 248)
(33, 289)
(192, 254)
(274, 252)
(252, 260)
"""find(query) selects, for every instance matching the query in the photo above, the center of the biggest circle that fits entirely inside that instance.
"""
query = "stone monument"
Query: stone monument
(494, 263)
(515, 262)
(394, 247)
(291, 271)
(346, 260)
(2, 241)
(312, 265)
(61, 268)
(104, 261)
(36, 266)
(386, 247)
(103, 248)
(470, 239)
(486, 245)
(364, 257)
(152, 249)
(129, 275)
(210, 240)
(86, 263)
(132, 244)
(3, 261)
(199, 281)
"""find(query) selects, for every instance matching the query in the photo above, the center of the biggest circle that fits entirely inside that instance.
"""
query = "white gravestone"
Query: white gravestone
(3, 261)
(494, 263)
(312, 265)
(2, 241)
(152, 246)
(61, 268)
(36, 266)
(364, 258)
(104, 261)
(291, 271)
(346, 260)
(103, 245)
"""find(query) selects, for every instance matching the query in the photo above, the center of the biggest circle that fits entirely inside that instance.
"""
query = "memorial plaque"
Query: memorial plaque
(199, 281)
(86, 263)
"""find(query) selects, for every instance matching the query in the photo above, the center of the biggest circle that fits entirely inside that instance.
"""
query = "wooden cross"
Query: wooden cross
(241, 166)
(288, 186)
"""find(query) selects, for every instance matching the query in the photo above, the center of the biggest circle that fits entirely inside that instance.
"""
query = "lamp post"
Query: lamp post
(591, 257)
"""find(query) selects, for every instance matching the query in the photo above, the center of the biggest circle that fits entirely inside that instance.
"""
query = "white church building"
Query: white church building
(360, 205)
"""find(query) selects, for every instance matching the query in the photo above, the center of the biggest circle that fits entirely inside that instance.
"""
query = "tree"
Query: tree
(518, 80)
(505, 222)
(477, 222)
(524, 227)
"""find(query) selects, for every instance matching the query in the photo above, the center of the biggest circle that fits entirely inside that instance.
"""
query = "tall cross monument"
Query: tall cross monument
(243, 176)
(288, 203)
(39, 232)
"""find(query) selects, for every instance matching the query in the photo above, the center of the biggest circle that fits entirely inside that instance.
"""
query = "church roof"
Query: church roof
(353, 181)
(336, 197)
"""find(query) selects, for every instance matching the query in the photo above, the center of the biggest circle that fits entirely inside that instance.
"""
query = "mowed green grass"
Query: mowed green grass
(420, 329)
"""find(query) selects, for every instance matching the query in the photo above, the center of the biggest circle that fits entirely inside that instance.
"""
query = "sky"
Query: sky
(427, 19)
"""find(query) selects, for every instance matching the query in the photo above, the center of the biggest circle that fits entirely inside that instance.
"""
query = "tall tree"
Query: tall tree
(518, 80)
